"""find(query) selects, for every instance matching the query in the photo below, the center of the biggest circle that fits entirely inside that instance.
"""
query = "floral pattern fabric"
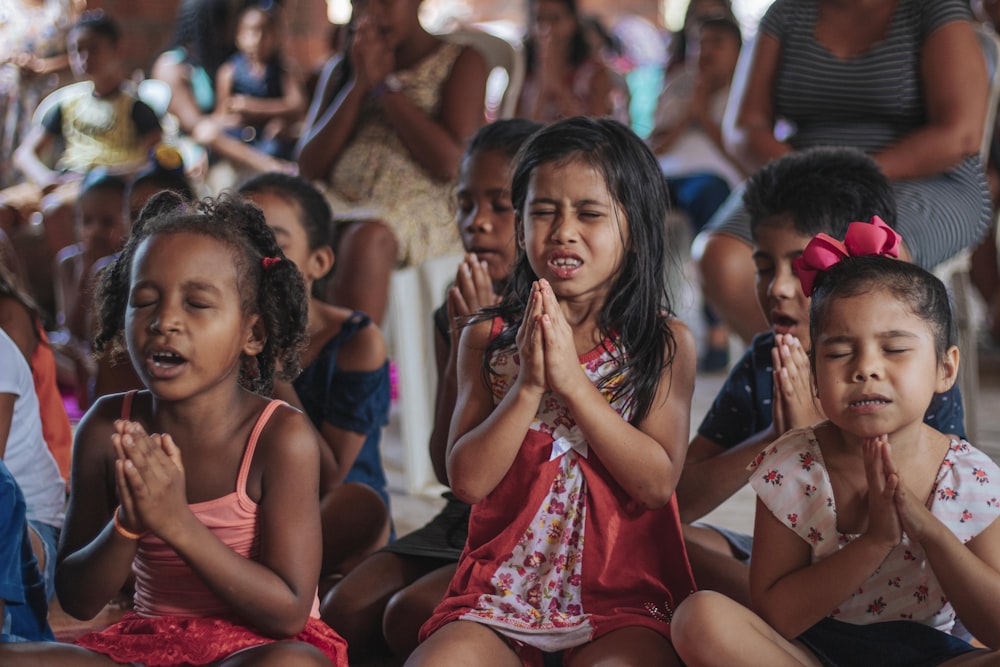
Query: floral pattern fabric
(791, 479)
(558, 554)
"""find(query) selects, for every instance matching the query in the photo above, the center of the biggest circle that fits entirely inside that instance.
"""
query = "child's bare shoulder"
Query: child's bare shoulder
(288, 438)
(93, 434)
(366, 349)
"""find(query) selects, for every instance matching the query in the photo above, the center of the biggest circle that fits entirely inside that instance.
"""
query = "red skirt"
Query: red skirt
(174, 641)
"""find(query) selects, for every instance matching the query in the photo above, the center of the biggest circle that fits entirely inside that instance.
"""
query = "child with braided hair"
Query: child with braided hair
(200, 486)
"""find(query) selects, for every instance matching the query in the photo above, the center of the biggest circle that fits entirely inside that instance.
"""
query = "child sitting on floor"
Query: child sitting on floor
(383, 602)
(769, 391)
(344, 385)
(200, 486)
(873, 529)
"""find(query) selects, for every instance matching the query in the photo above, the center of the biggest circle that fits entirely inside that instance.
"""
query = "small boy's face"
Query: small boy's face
(92, 56)
(779, 293)
(718, 51)
(485, 213)
(255, 35)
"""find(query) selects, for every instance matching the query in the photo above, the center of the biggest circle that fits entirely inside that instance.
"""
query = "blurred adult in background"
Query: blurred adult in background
(384, 136)
(565, 77)
(902, 80)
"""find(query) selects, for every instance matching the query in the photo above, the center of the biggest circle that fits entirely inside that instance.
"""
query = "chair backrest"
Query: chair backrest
(990, 45)
(498, 53)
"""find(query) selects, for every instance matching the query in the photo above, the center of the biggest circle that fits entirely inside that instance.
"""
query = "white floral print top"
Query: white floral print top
(791, 479)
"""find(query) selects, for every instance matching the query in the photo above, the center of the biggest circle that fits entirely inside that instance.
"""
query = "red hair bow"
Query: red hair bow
(862, 239)
(268, 262)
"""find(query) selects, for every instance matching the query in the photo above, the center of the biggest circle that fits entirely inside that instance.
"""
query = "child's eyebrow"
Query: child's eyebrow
(578, 203)
(201, 286)
(882, 335)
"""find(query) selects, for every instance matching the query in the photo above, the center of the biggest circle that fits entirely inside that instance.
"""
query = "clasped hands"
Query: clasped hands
(149, 478)
(545, 343)
(892, 508)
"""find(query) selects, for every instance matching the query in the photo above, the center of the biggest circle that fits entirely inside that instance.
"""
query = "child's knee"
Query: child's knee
(699, 622)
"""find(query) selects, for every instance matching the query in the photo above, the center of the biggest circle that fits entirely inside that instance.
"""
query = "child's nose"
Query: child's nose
(785, 284)
(868, 366)
(481, 221)
(167, 319)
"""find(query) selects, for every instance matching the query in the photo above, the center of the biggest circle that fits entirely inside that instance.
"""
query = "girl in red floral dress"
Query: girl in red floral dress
(569, 430)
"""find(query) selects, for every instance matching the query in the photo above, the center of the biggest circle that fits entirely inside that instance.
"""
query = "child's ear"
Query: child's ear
(255, 342)
(947, 370)
(320, 263)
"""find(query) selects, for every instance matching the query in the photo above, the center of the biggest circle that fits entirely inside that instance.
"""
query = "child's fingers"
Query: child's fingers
(887, 461)
(457, 305)
(485, 296)
(172, 451)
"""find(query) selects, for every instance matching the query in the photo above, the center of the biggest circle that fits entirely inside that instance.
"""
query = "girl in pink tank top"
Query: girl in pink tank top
(200, 487)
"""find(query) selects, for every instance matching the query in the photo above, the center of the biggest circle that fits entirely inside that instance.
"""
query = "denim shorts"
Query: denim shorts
(50, 540)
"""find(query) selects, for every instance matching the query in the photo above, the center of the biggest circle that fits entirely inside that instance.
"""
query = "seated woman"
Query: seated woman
(903, 81)
(385, 133)
(564, 78)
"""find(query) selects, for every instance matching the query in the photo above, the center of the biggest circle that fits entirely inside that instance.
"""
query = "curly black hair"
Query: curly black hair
(277, 293)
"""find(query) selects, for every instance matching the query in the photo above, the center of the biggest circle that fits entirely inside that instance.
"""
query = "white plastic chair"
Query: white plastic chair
(414, 294)
(498, 53)
(954, 272)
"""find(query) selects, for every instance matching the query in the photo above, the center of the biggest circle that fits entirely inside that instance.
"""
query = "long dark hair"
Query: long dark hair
(579, 49)
(10, 288)
(636, 313)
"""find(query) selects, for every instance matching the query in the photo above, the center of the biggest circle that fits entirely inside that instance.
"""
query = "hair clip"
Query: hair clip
(167, 158)
(862, 239)
(268, 262)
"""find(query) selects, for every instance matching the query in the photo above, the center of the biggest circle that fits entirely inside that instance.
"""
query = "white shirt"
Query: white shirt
(26, 455)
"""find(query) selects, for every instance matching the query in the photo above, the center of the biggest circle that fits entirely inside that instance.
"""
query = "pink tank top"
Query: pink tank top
(164, 584)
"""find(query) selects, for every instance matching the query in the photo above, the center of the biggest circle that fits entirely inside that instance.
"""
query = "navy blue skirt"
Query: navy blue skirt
(887, 644)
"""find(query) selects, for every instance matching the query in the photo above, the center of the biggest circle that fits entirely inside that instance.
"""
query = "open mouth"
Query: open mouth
(783, 321)
(167, 359)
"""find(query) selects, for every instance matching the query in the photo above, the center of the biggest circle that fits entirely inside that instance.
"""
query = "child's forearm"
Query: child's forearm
(325, 137)
(797, 601)
(480, 458)
(86, 579)
(258, 109)
(970, 583)
(706, 483)
(637, 461)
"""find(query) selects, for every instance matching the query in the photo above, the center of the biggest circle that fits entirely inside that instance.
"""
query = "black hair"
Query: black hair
(10, 287)
(579, 49)
(204, 29)
(99, 179)
(677, 48)
(101, 24)
(635, 314)
(820, 190)
(504, 136)
(277, 293)
(923, 293)
(315, 214)
(165, 171)
(268, 9)
(726, 24)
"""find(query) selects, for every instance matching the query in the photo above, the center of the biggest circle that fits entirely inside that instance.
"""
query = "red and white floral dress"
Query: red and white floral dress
(559, 554)
(791, 479)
